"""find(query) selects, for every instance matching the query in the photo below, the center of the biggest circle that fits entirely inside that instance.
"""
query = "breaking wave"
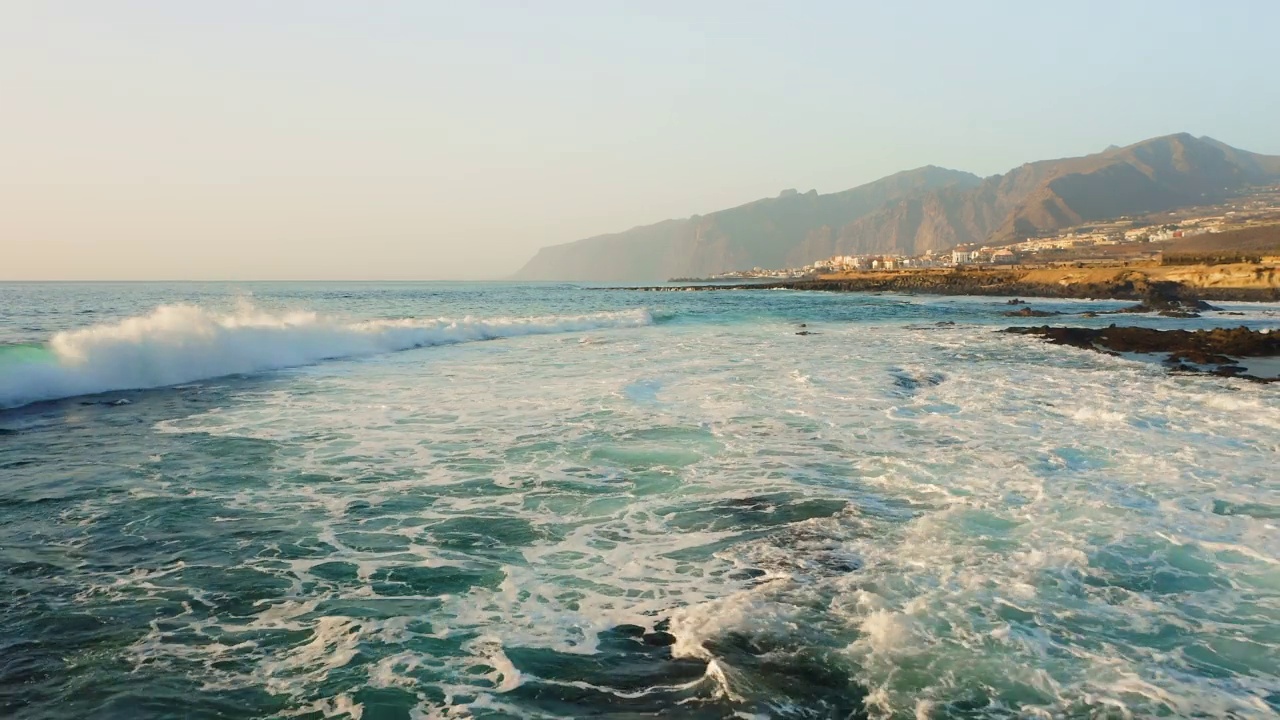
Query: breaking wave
(177, 344)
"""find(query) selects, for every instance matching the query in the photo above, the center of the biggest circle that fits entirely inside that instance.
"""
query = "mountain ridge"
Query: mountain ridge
(913, 211)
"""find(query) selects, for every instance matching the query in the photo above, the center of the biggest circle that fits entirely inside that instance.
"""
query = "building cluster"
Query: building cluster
(852, 263)
(962, 255)
(846, 263)
(1120, 236)
(1120, 232)
(968, 255)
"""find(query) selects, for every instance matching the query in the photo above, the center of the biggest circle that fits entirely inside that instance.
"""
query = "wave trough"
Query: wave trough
(183, 343)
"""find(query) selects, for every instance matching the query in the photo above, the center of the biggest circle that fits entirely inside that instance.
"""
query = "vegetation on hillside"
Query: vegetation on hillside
(1246, 245)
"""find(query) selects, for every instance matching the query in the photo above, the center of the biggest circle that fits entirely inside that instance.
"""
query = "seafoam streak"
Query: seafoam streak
(184, 343)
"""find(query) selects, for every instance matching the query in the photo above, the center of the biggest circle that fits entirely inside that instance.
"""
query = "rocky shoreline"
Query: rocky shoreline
(1124, 285)
(1220, 351)
(1230, 352)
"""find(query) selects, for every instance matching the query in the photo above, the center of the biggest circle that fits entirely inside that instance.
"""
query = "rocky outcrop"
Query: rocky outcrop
(1030, 312)
(1163, 299)
(1220, 351)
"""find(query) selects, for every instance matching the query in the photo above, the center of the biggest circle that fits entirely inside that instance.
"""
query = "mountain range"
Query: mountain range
(911, 212)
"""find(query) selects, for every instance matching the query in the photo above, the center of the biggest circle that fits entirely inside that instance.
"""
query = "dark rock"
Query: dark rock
(1164, 298)
(1229, 370)
(1028, 312)
(844, 566)
(1016, 301)
(747, 574)
(750, 503)
(659, 639)
(806, 332)
(629, 677)
(1213, 351)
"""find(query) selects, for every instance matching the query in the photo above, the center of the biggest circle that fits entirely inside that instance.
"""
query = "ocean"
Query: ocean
(468, 500)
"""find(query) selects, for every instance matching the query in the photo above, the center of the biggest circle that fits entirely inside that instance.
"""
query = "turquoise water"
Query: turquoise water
(489, 501)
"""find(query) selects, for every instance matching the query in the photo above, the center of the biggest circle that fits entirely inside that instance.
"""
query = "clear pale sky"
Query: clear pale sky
(376, 140)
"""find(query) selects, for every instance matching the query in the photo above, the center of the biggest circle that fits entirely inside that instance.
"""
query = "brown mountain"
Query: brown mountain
(773, 232)
(927, 209)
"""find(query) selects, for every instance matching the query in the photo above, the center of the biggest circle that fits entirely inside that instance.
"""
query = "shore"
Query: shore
(1248, 282)
(1177, 291)
(1229, 352)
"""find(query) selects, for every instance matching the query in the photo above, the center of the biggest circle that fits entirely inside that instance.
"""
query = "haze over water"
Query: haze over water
(371, 500)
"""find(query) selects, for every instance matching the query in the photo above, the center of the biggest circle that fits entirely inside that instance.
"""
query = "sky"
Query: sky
(317, 139)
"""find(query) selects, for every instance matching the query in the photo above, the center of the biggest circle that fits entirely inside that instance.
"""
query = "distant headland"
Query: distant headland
(1126, 191)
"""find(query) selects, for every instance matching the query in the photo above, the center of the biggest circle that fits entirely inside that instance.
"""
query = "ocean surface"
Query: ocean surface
(446, 500)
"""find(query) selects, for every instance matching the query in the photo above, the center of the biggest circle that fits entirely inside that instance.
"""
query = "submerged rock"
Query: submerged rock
(659, 639)
(1028, 312)
(631, 677)
(910, 382)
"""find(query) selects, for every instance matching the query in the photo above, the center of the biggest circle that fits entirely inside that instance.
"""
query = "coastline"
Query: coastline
(1179, 291)
(1238, 352)
(1228, 283)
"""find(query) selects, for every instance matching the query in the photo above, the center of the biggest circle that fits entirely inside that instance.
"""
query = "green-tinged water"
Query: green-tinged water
(485, 501)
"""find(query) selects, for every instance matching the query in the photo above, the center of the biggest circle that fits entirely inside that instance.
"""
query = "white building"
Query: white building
(1004, 256)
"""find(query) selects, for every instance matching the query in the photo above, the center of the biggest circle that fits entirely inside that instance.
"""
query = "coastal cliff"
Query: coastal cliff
(789, 229)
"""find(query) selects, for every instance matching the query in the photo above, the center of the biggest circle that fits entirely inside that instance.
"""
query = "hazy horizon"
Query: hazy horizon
(240, 141)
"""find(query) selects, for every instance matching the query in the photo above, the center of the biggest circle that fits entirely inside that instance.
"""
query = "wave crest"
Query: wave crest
(183, 343)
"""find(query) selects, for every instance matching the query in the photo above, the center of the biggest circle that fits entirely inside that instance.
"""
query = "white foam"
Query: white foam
(984, 513)
(177, 344)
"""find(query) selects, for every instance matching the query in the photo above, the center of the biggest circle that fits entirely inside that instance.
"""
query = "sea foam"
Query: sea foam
(177, 344)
